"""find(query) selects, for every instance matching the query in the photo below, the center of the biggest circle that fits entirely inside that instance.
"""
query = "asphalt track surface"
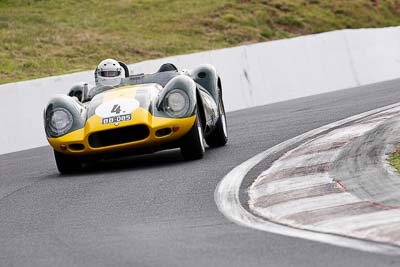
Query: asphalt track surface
(158, 210)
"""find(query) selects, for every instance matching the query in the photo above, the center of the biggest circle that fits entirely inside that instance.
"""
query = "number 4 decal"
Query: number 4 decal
(116, 109)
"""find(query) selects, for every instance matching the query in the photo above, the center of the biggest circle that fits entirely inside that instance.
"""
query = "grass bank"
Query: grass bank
(394, 159)
(48, 37)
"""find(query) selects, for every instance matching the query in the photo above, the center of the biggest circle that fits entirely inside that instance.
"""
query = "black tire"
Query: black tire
(67, 164)
(219, 136)
(192, 146)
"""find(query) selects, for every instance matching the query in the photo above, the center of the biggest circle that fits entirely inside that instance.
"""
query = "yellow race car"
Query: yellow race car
(144, 113)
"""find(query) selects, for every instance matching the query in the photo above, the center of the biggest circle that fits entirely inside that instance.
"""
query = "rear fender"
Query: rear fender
(206, 75)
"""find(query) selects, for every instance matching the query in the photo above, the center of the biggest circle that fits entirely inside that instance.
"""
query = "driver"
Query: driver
(109, 73)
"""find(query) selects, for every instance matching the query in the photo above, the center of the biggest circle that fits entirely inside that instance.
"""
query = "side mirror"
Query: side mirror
(80, 91)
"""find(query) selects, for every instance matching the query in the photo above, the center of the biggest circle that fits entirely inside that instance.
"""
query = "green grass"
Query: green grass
(39, 38)
(394, 160)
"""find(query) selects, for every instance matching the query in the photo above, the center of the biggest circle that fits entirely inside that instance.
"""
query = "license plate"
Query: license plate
(118, 118)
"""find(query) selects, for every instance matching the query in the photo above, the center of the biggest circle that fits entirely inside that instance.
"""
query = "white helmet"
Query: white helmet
(109, 72)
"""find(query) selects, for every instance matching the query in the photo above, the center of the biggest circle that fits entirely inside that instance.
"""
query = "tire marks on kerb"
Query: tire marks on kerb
(290, 184)
(227, 192)
(314, 191)
(352, 225)
(282, 210)
(315, 216)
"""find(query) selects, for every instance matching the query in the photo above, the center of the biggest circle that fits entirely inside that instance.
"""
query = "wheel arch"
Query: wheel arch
(200, 106)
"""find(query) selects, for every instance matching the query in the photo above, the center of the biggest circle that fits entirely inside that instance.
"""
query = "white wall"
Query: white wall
(251, 75)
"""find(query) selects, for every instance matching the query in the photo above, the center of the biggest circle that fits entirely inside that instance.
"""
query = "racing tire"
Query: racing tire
(193, 146)
(219, 136)
(67, 164)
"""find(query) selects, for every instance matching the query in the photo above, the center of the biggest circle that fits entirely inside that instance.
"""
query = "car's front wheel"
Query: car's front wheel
(192, 146)
(67, 163)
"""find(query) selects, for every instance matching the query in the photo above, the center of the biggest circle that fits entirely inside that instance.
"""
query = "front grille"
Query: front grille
(163, 132)
(119, 136)
(76, 147)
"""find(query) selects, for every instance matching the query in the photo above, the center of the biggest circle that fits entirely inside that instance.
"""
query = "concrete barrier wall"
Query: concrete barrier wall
(251, 75)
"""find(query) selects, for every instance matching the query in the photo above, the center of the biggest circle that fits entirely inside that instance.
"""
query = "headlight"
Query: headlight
(60, 121)
(176, 103)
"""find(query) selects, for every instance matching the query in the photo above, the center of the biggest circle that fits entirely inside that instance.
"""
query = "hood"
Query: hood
(123, 100)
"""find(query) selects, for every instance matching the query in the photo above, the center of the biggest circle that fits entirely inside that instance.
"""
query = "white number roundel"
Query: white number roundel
(115, 107)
